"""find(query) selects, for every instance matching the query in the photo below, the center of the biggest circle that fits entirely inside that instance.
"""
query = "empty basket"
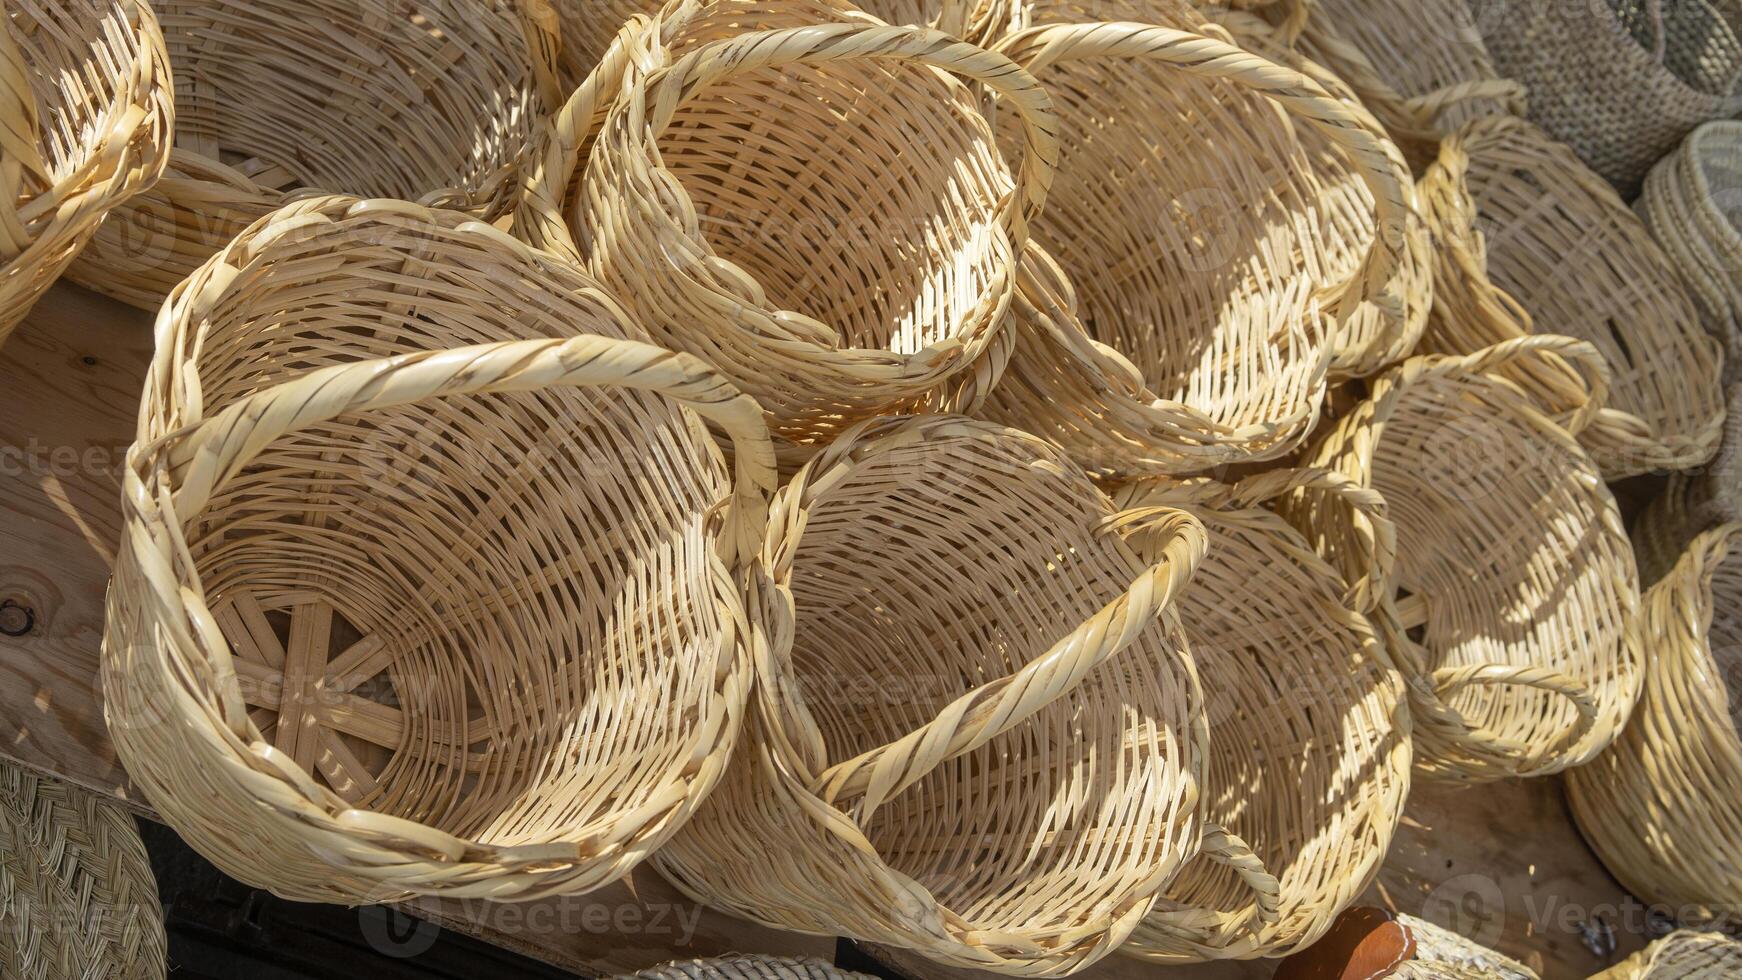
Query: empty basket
(1692, 203)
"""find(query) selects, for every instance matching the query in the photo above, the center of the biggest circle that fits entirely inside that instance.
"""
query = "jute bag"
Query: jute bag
(1185, 321)
(828, 307)
(412, 600)
(1660, 806)
(1514, 584)
(977, 732)
(1309, 736)
(77, 899)
(1692, 203)
(1529, 238)
(746, 968)
(1420, 67)
(85, 113)
(377, 98)
(1620, 81)
(1682, 955)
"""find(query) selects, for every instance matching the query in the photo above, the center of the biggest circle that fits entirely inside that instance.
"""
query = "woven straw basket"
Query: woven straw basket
(77, 899)
(1517, 580)
(1441, 954)
(1621, 81)
(403, 606)
(1692, 203)
(85, 114)
(378, 98)
(874, 284)
(746, 968)
(949, 751)
(1660, 807)
(1682, 955)
(1185, 323)
(1693, 502)
(1309, 740)
(1420, 67)
(1530, 239)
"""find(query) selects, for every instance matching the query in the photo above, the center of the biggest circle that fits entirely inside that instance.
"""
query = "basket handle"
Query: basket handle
(1368, 523)
(1449, 680)
(1553, 353)
(1378, 167)
(202, 456)
(988, 711)
(1221, 846)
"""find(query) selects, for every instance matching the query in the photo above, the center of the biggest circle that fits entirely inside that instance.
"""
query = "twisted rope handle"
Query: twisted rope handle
(204, 455)
(1369, 524)
(1221, 846)
(1211, 57)
(1447, 681)
(1552, 352)
(1423, 111)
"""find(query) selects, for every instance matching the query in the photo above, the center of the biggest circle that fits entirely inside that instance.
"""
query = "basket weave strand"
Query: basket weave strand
(85, 115)
(746, 968)
(1682, 955)
(1441, 954)
(402, 545)
(1692, 203)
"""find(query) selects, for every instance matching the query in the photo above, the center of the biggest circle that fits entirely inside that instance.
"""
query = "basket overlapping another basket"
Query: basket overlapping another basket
(1182, 315)
(977, 732)
(1514, 586)
(1685, 954)
(1309, 737)
(1530, 239)
(429, 580)
(1692, 203)
(77, 898)
(1660, 806)
(378, 98)
(85, 114)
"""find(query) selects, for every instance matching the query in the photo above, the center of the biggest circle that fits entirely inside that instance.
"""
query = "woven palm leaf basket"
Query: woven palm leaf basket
(77, 898)
(376, 98)
(1660, 806)
(1186, 321)
(977, 732)
(1682, 955)
(1441, 954)
(1530, 239)
(428, 577)
(1513, 586)
(1692, 203)
(1620, 81)
(85, 114)
(822, 212)
(1309, 737)
(746, 968)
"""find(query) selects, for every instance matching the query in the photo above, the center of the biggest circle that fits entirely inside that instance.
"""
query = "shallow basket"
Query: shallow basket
(1529, 238)
(411, 599)
(1621, 81)
(977, 733)
(1660, 806)
(1692, 203)
(376, 98)
(1514, 584)
(76, 887)
(740, 967)
(854, 252)
(1685, 954)
(85, 114)
(1185, 323)
(1309, 737)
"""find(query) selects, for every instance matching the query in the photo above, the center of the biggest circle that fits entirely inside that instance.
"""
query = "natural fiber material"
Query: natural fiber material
(1309, 738)
(977, 732)
(1682, 955)
(410, 600)
(1421, 67)
(1185, 324)
(378, 98)
(1692, 204)
(1517, 579)
(1441, 954)
(77, 899)
(876, 279)
(1621, 81)
(85, 114)
(746, 968)
(1660, 807)
(1529, 239)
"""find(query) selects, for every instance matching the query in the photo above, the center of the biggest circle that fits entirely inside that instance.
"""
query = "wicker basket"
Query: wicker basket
(1309, 739)
(421, 98)
(77, 899)
(1420, 67)
(1660, 807)
(1190, 221)
(746, 968)
(828, 307)
(398, 611)
(1441, 954)
(1692, 204)
(1693, 502)
(1527, 235)
(85, 113)
(946, 755)
(1621, 81)
(1682, 955)
(1519, 579)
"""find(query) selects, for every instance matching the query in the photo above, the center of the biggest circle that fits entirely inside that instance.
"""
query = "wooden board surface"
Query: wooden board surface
(1502, 863)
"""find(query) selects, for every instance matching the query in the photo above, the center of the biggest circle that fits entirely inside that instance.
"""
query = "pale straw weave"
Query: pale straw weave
(1682, 955)
(740, 967)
